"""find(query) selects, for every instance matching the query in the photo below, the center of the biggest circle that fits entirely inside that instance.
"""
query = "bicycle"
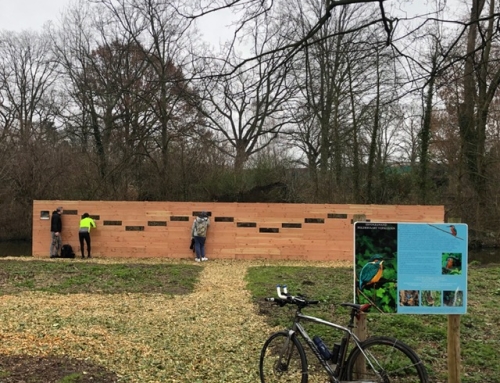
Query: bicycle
(374, 360)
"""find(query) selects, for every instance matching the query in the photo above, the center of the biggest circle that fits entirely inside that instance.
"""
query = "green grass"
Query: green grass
(427, 334)
(72, 378)
(73, 277)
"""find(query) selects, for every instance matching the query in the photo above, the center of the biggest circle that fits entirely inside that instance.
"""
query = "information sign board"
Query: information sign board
(411, 268)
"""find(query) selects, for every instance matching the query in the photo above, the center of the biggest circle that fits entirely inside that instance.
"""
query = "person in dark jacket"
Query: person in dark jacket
(55, 231)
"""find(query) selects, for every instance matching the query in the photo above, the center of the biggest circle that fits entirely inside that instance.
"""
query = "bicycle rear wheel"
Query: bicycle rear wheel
(392, 361)
(282, 359)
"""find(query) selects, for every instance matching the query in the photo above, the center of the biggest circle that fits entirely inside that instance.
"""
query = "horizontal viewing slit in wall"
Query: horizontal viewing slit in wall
(134, 228)
(291, 225)
(96, 217)
(269, 230)
(336, 215)
(179, 218)
(246, 224)
(224, 219)
(112, 223)
(314, 220)
(70, 212)
(157, 223)
(45, 214)
(198, 213)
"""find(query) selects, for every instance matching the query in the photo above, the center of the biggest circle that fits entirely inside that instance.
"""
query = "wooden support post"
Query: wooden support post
(454, 360)
(454, 349)
(361, 331)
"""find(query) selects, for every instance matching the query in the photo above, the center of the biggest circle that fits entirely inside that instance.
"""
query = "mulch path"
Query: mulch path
(212, 335)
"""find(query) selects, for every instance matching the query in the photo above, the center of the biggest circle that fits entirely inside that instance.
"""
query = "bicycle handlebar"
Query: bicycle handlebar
(284, 297)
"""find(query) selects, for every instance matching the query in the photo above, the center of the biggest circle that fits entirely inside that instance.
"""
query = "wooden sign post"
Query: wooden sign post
(361, 331)
(454, 360)
(454, 363)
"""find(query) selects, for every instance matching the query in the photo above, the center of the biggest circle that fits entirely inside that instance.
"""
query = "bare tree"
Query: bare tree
(336, 80)
(129, 96)
(247, 111)
(481, 81)
(156, 26)
(257, 11)
(30, 163)
(27, 76)
(93, 61)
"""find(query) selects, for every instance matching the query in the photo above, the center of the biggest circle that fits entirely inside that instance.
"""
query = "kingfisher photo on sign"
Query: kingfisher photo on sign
(411, 268)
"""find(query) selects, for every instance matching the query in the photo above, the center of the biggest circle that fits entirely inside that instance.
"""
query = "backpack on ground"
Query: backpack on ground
(201, 228)
(67, 251)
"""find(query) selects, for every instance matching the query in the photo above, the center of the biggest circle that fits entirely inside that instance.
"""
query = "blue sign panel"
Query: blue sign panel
(411, 268)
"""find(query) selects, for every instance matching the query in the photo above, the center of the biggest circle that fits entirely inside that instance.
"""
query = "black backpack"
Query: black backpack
(67, 251)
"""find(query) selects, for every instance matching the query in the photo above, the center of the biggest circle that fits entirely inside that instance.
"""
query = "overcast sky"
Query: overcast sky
(18, 15)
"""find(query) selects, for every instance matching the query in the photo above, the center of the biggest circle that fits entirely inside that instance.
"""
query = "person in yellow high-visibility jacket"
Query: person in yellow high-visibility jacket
(86, 223)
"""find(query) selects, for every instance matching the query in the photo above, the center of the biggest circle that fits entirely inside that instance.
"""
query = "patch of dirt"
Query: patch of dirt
(32, 369)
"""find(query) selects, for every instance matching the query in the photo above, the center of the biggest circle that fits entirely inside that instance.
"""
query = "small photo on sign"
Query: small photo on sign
(453, 298)
(452, 263)
(431, 298)
(409, 298)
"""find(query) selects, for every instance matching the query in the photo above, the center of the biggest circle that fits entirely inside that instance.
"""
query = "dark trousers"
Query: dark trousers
(84, 236)
(199, 247)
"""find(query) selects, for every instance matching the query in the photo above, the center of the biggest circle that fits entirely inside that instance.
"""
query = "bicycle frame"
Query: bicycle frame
(336, 373)
(348, 363)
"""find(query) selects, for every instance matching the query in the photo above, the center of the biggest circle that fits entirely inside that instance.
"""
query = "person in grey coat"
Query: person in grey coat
(199, 234)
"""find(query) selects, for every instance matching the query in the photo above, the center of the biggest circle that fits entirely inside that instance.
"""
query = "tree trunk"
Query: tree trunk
(467, 121)
(355, 144)
(425, 135)
(373, 143)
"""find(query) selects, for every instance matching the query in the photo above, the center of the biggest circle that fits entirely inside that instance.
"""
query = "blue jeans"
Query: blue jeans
(199, 247)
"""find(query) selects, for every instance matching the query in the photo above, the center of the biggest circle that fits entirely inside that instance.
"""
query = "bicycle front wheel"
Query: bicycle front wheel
(387, 360)
(282, 359)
